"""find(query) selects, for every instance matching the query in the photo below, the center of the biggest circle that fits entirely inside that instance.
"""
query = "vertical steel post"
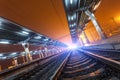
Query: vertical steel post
(96, 24)
(85, 36)
(81, 41)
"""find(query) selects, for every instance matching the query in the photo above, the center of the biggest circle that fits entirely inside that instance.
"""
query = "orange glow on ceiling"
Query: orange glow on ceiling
(48, 16)
(43, 16)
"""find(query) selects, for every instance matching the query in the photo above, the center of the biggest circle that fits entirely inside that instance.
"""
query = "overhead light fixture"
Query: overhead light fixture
(73, 30)
(13, 53)
(71, 1)
(46, 39)
(74, 24)
(0, 23)
(4, 42)
(37, 37)
(1, 20)
(1, 55)
(4, 57)
(24, 32)
(71, 17)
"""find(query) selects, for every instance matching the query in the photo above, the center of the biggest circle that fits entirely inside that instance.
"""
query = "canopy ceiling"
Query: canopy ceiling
(48, 16)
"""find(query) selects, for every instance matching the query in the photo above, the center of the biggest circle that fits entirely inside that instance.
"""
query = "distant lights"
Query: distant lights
(73, 30)
(72, 47)
(72, 25)
(71, 17)
(34, 53)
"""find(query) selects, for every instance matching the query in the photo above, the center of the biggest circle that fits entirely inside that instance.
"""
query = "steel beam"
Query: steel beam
(96, 24)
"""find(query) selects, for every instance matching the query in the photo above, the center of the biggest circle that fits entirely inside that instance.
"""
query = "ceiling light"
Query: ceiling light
(74, 24)
(71, 17)
(45, 39)
(71, 1)
(1, 55)
(4, 57)
(0, 23)
(13, 53)
(4, 42)
(24, 32)
(1, 20)
(37, 37)
(68, 18)
(73, 30)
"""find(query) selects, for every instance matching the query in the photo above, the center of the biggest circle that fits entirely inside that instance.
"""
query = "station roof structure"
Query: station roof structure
(48, 16)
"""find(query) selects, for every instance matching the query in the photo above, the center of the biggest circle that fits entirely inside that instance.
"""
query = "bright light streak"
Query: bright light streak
(37, 37)
(4, 57)
(96, 6)
(71, 17)
(4, 42)
(73, 46)
(0, 23)
(71, 1)
(24, 32)
(1, 54)
(46, 39)
(14, 53)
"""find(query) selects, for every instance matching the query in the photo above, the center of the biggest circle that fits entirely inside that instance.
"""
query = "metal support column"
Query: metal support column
(40, 54)
(46, 52)
(81, 41)
(96, 24)
(85, 36)
(27, 52)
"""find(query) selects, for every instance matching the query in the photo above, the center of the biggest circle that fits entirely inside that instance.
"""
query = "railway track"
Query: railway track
(81, 66)
(112, 54)
(73, 65)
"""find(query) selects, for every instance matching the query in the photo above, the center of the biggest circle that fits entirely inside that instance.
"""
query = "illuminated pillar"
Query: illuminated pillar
(15, 61)
(0, 68)
(85, 36)
(42, 54)
(96, 24)
(27, 52)
(46, 52)
(81, 41)
(39, 53)
(23, 58)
